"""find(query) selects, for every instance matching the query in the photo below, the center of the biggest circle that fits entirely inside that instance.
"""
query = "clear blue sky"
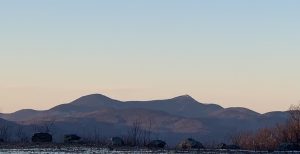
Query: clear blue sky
(234, 53)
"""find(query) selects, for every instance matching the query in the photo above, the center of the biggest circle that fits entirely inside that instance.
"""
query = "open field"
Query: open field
(129, 151)
(87, 149)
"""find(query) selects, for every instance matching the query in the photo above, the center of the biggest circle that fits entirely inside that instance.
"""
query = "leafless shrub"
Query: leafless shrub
(243, 139)
(94, 135)
(21, 134)
(4, 132)
(271, 138)
(293, 126)
(265, 139)
(45, 126)
(139, 134)
(97, 136)
(134, 134)
(147, 133)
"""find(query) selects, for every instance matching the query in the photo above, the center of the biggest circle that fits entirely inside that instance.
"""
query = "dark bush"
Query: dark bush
(71, 138)
(190, 144)
(116, 142)
(157, 144)
(41, 137)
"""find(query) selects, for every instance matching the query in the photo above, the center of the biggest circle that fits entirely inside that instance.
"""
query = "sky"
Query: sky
(235, 53)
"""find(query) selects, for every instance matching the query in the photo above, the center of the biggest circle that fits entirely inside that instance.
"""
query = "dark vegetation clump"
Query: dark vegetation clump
(157, 144)
(190, 143)
(41, 138)
(230, 147)
(72, 138)
(116, 142)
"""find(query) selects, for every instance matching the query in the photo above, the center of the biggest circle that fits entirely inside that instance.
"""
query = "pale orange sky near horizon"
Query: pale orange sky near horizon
(35, 98)
(232, 53)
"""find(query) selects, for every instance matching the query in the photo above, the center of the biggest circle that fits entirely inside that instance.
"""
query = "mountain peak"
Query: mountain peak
(93, 99)
(185, 98)
(95, 96)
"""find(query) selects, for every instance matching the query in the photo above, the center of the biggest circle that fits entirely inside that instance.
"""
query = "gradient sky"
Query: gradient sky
(233, 53)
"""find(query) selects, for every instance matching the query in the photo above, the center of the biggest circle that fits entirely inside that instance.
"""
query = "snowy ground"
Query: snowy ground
(83, 150)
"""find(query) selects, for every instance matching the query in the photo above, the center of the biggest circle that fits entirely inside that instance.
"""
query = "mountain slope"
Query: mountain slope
(181, 105)
(179, 116)
(184, 106)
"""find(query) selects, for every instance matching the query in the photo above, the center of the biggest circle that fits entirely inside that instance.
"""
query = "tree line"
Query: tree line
(139, 134)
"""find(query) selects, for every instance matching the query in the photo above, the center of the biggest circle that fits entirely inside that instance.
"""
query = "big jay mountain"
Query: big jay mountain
(170, 119)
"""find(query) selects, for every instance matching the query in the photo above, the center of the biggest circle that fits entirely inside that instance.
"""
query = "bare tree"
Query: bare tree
(4, 131)
(21, 134)
(147, 133)
(134, 134)
(243, 139)
(49, 126)
(265, 139)
(140, 133)
(97, 136)
(270, 138)
(294, 123)
(45, 126)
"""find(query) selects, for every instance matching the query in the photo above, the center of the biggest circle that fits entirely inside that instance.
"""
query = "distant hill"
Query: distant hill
(171, 119)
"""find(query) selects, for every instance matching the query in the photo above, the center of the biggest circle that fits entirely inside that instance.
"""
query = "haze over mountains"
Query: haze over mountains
(170, 119)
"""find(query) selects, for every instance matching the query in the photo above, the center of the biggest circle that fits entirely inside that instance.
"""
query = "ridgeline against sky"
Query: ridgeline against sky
(234, 53)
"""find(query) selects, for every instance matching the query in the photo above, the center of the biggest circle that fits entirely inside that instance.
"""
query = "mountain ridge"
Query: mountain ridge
(182, 97)
(180, 116)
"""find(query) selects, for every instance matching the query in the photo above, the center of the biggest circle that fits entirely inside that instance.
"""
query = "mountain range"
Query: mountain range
(170, 119)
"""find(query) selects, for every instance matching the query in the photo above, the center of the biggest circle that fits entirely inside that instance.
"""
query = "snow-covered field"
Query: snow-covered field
(74, 150)
(82, 150)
